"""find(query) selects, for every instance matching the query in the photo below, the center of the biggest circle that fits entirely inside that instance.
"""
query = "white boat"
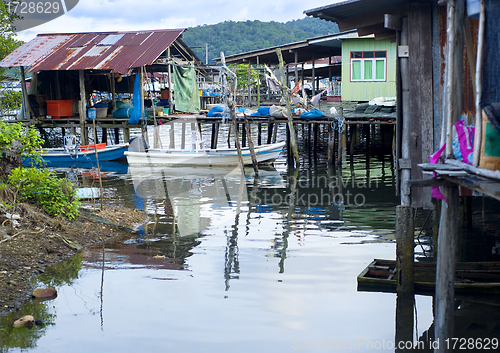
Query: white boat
(265, 154)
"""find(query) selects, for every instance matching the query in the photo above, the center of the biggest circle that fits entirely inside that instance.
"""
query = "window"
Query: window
(368, 65)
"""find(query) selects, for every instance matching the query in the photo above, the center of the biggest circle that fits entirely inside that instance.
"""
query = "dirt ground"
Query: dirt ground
(35, 241)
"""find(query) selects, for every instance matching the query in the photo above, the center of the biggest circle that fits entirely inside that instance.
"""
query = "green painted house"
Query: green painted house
(368, 68)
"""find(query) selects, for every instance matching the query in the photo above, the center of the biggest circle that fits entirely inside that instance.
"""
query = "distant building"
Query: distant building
(368, 68)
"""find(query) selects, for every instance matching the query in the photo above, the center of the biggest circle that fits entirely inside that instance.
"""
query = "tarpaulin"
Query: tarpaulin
(186, 95)
(136, 101)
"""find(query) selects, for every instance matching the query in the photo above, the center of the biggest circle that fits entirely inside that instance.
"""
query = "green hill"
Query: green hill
(239, 37)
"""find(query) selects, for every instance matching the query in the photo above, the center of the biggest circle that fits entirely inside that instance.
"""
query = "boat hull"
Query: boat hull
(265, 154)
(57, 157)
(471, 277)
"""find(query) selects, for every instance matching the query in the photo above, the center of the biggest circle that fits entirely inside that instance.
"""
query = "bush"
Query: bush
(56, 196)
(28, 138)
(11, 100)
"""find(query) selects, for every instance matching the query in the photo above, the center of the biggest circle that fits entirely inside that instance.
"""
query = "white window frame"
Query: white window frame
(374, 71)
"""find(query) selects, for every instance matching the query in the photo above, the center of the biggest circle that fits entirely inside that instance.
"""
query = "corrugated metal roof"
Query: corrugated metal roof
(115, 51)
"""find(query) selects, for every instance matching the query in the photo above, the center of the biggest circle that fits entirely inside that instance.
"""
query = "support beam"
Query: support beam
(392, 22)
(82, 109)
(445, 270)
(406, 121)
(26, 104)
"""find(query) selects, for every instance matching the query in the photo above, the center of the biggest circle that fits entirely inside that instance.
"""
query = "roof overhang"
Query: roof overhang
(378, 17)
(300, 52)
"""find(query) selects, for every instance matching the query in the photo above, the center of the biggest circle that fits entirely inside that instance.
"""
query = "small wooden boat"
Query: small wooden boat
(80, 155)
(265, 154)
(471, 277)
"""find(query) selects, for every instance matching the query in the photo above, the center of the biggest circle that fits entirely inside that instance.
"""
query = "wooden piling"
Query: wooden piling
(251, 145)
(269, 132)
(316, 136)
(445, 271)
(331, 145)
(82, 110)
(405, 230)
(243, 136)
(284, 88)
(183, 136)
(215, 135)
(172, 135)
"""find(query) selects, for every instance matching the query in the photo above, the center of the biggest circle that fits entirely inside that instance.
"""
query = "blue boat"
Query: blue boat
(80, 156)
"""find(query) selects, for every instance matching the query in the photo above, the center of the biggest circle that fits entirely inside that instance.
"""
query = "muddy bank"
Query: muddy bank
(33, 241)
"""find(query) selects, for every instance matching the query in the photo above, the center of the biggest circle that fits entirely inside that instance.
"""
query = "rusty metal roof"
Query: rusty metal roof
(115, 51)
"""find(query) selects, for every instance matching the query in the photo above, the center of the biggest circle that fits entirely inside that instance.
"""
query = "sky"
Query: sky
(131, 15)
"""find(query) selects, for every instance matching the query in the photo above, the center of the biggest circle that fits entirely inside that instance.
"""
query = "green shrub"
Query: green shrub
(55, 195)
(11, 100)
(27, 136)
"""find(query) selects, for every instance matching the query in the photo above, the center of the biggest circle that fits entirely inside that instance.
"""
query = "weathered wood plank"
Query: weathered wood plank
(420, 96)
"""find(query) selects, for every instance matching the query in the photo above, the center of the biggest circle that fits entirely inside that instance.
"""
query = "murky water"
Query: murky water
(264, 264)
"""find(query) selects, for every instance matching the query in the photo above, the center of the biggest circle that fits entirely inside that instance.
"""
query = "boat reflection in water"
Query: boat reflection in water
(197, 197)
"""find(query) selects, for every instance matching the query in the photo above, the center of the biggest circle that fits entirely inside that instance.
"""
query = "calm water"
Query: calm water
(225, 264)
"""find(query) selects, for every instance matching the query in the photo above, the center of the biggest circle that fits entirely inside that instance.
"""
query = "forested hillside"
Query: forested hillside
(239, 37)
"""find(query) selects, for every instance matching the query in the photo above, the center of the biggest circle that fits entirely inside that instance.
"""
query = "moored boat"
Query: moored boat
(265, 154)
(470, 277)
(54, 157)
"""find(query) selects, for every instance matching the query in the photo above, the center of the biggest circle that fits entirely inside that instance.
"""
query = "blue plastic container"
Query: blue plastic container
(92, 113)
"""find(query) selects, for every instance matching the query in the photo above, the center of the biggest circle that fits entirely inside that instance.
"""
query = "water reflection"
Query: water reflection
(233, 263)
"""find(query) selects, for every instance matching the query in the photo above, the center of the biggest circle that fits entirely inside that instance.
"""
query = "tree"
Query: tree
(241, 71)
(9, 100)
(8, 41)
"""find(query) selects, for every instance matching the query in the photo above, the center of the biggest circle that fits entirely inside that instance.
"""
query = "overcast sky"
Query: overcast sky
(127, 15)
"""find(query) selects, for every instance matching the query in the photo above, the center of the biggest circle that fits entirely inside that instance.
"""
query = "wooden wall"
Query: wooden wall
(421, 95)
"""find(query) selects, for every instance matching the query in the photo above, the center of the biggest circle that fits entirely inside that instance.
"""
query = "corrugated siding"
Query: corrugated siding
(365, 91)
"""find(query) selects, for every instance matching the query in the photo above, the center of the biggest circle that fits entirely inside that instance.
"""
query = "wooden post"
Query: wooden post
(296, 57)
(83, 109)
(215, 135)
(445, 270)
(313, 75)
(309, 138)
(316, 136)
(250, 145)
(478, 134)
(170, 90)
(293, 142)
(58, 86)
(269, 132)
(126, 134)
(404, 164)
(183, 136)
(117, 136)
(172, 135)
(258, 83)
(230, 104)
(113, 91)
(259, 134)
(352, 131)
(405, 230)
(243, 136)
(331, 145)
(248, 85)
(26, 104)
